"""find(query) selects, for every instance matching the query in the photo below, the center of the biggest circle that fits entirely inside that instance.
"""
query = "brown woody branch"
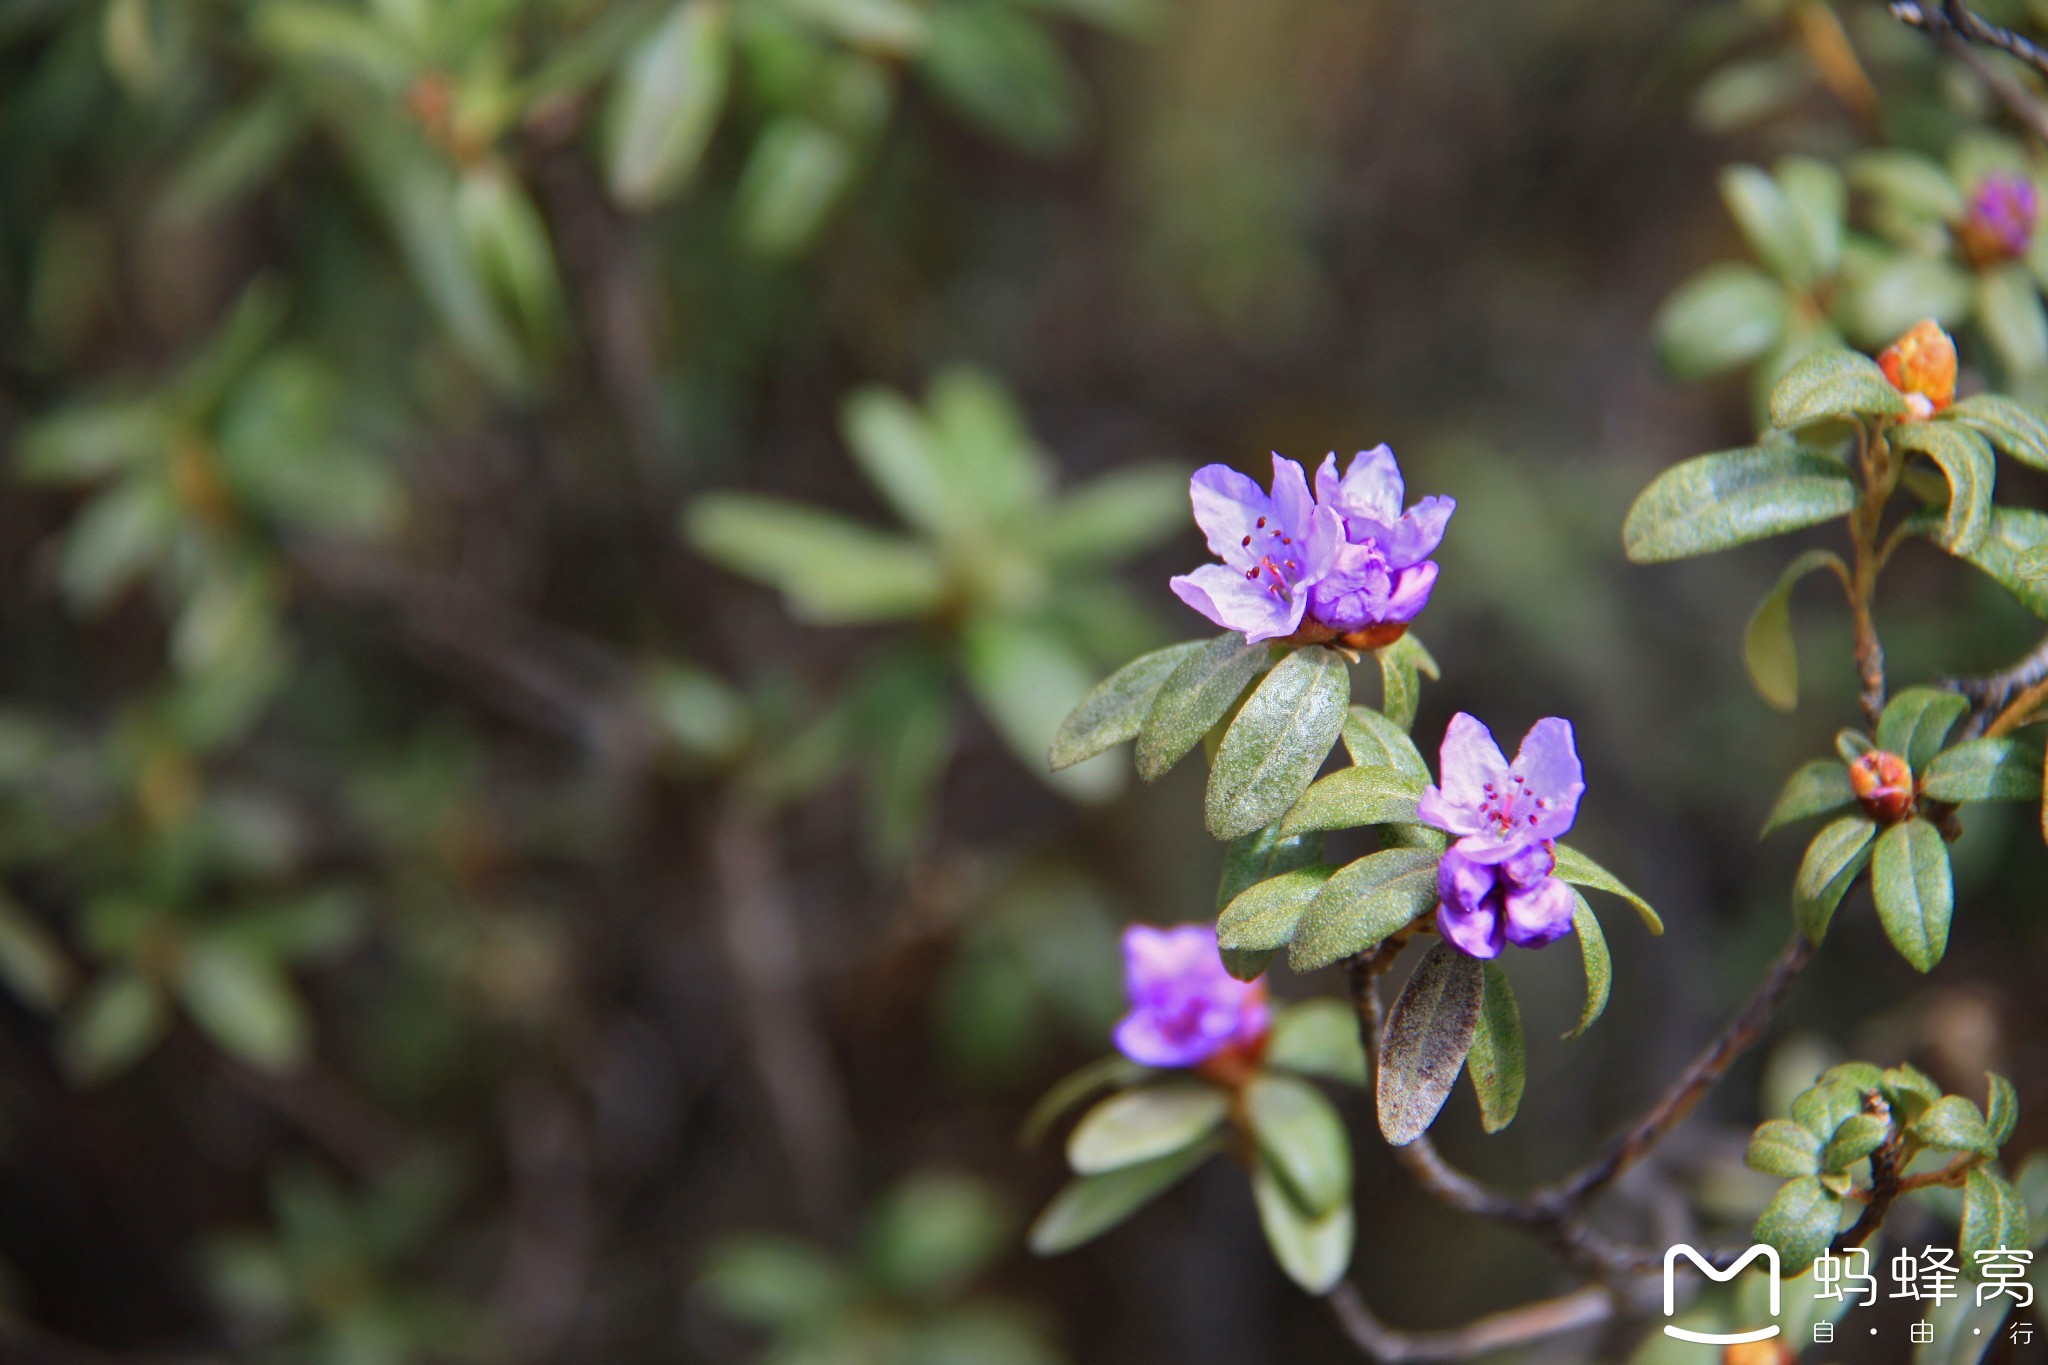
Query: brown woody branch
(1961, 33)
(1573, 1312)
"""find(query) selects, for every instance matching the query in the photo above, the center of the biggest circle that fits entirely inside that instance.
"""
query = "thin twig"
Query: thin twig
(1573, 1312)
(1953, 26)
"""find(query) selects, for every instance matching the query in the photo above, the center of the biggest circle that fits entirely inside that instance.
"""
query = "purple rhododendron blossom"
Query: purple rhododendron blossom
(1345, 561)
(1185, 1008)
(2003, 213)
(1494, 885)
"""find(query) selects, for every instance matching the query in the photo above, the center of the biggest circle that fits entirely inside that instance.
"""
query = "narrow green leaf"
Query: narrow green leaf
(1279, 739)
(897, 453)
(1363, 903)
(1994, 1219)
(1092, 1205)
(1352, 797)
(666, 101)
(1834, 384)
(1112, 1072)
(1952, 1124)
(2001, 769)
(1118, 514)
(1724, 317)
(115, 1022)
(833, 571)
(1576, 868)
(246, 1004)
(1318, 1038)
(1313, 1251)
(791, 183)
(1858, 1136)
(1261, 856)
(1800, 1221)
(1965, 459)
(1833, 860)
(2003, 1115)
(1916, 721)
(1816, 789)
(1782, 1148)
(1194, 697)
(1304, 1139)
(1400, 685)
(1027, 674)
(2007, 423)
(1770, 223)
(1712, 502)
(1114, 711)
(1768, 650)
(1428, 1034)
(1820, 199)
(2009, 310)
(1373, 741)
(2013, 551)
(1498, 1063)
(1909, 878)
(1599, 967)
(1145, 1123)
(1263, 917)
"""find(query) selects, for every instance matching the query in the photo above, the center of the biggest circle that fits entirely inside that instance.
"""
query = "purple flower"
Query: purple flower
(2000, 223)
(1347, 562)
(1494, 885)
(1185, 1008)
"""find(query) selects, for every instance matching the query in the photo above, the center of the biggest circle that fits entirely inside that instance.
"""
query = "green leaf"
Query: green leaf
(1823, 1109)
(775, 1282)
(1498, 1063)
(1953, 1124)
(999, 67)
(2010, 425)
(119, 1019)
(1911, 1092)
(933, 1233)
(1820, 199)
(119, 536)
(1599, 967)
(1994, 1218)
(1428, 1034)
(1879, 302)
(1916, 721)
(246, 1004)
(1402, 666)
(1712, 502)
(1027, 676)
(898, 454)
(31, 963)
(2012, 552)
(1113, 1072)
(1836, 384)
(1907, 182)
(1724, 317)
(2002, 769)
(1261, 856)
(1768, 649)
(1313, 1251)
(1770, 223)
(1362, 903)
(1852, 744)
(1263, 917)
(895, 27)
(1373, 741)
(1800, 1221)
(1858, 1136)
(1194, 697)
(833, 571)
(1816, 789)
(2004, 1113)
(1118, 514)
(1352, 797)
(2009, 312)
(1966, 460)
(1318, 1038)
(790, 185)
(1833, 860)
(1783, 1148)
(1280, 737)
(1118, 705)
(1909, 878)
(1145, 1123)
(1301, 1135)
(1576, 868)
(666, 102)
(1092, 1205)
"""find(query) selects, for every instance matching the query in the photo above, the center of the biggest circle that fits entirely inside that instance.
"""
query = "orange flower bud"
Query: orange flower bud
(1884, 784)
(1922, 365)
(1773, 1352)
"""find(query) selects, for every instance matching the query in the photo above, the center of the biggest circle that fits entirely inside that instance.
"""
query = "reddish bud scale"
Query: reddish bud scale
(1884, 784)
(1922, 366)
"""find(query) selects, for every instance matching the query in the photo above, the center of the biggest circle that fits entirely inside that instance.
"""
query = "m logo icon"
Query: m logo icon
(1770, 1255)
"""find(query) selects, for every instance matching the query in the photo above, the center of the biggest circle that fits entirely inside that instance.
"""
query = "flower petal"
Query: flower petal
(1539, 914)
(1291, 498)
(1433, 809)
(1411, 591)
(1154, 957)
(1549, 760)
(1416, 534)
(1231, 600)
(1475, 933)
(1140, 1037)
(1372, 485)
(1529, 864)
(1469, 761)
(1462, 881)
(1228, 506)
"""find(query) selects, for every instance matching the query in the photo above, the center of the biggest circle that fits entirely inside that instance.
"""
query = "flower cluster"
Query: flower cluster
(1345, 563)
(1494, 885)
(1185, 1008)
(1922, 366)
(1999, 225)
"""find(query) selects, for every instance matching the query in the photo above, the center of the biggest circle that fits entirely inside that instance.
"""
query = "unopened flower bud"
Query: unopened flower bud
(1884, 784)
(1999, 225)
(1922, 365)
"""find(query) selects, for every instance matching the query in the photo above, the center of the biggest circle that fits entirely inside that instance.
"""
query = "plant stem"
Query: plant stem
(1573, 1312)
(1879, 478)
